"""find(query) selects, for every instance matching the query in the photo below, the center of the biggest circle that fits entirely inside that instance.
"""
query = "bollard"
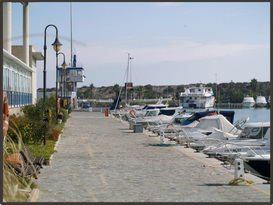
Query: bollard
(239, 169)
(161, 137)
(106, 112)
(131, 125)
(138, 128)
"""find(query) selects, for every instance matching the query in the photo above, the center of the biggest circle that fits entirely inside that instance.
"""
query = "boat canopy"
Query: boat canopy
(229, 115)
(217, 121)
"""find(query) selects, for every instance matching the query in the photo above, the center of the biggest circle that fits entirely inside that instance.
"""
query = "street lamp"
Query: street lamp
(56, 46)
(64, 67)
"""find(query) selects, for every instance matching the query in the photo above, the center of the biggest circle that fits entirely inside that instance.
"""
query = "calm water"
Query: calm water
(254, 114)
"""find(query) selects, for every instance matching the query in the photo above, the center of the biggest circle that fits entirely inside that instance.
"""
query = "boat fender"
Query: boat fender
(5, 114)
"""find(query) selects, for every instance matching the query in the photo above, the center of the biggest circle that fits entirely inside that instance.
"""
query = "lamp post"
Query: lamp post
(63, 67)
(67, 92)
(56, 46)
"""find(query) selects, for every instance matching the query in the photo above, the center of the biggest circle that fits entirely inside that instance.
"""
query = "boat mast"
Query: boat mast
(216, 92)
(127, 80)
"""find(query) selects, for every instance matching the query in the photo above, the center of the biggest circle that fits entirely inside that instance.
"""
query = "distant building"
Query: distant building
(68, 80)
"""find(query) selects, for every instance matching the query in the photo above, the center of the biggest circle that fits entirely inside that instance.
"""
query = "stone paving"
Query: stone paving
(99, 159)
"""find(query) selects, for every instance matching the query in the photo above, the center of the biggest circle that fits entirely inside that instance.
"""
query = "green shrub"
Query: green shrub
(19, 125)
(65, 114)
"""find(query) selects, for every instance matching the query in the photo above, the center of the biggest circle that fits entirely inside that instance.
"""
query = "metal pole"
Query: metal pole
(44, 77)
(61, 85)
(71, 32)
(56, 84)
(127, 80)
(65, 88)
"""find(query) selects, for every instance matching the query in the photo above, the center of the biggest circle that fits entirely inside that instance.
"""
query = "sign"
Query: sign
(129, 86)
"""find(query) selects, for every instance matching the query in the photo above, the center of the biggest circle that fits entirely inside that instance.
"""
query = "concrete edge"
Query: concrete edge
(55, 147)
(33, 195)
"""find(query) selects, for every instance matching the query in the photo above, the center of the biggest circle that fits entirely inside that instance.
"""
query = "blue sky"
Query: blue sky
(172, 43)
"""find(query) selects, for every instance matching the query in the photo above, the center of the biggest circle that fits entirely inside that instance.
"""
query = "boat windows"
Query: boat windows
(167, 112)
(253, 133)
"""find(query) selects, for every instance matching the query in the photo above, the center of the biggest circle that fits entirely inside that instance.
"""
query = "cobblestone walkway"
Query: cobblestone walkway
(99, 159)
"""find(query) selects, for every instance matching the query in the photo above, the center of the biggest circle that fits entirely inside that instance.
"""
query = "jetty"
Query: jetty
(99, 159)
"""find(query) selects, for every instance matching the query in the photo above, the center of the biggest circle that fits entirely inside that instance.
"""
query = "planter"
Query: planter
(60, 116)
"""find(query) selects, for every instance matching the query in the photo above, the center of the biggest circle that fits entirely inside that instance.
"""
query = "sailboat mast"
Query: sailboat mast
(127, 79)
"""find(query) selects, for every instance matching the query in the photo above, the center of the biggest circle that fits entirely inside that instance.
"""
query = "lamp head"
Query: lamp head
(64, 65)
(56, 45)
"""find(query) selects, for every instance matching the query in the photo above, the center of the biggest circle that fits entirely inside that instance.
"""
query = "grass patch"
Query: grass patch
(43, 150)
(59, 127)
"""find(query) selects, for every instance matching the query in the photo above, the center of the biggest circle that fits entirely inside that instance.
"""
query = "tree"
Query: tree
(254, 84)
(92, 86)
(116, 88)
(88, 94)
(148, 87)
(140, 91)
(180, 88)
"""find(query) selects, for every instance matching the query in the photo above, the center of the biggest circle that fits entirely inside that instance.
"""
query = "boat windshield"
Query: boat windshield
(151, 113)
(166, 112)
(253, 132)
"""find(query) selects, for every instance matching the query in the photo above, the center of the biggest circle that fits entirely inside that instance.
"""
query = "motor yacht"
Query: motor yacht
(197, 97)
(261, 101)
(248, 102)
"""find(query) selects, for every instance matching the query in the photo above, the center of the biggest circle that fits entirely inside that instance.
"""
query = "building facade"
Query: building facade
(19, 63)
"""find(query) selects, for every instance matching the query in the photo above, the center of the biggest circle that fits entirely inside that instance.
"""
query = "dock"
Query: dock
(99, 159)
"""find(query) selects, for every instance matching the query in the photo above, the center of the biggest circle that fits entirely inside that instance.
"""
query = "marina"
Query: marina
(189, 122)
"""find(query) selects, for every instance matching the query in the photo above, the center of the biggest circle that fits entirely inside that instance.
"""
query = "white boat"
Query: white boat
(254, 136)
(248, 102)
(197, 97)
(141, 112)
(206, 127)
(268, 101)
(261, 101)
(163, 116)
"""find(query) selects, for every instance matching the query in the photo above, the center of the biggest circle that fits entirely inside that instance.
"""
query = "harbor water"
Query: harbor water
(254, 114)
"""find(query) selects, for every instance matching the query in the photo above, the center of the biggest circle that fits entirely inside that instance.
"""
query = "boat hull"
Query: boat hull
(261, 168)
(248, 104)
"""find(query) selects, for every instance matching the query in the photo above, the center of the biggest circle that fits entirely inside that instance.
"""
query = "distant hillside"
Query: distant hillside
(229, 92)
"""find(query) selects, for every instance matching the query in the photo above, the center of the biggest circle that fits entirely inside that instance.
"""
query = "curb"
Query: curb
(55, 148)
(33, 195)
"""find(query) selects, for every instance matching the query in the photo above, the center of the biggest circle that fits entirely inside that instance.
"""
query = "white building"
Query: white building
(19, 63)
